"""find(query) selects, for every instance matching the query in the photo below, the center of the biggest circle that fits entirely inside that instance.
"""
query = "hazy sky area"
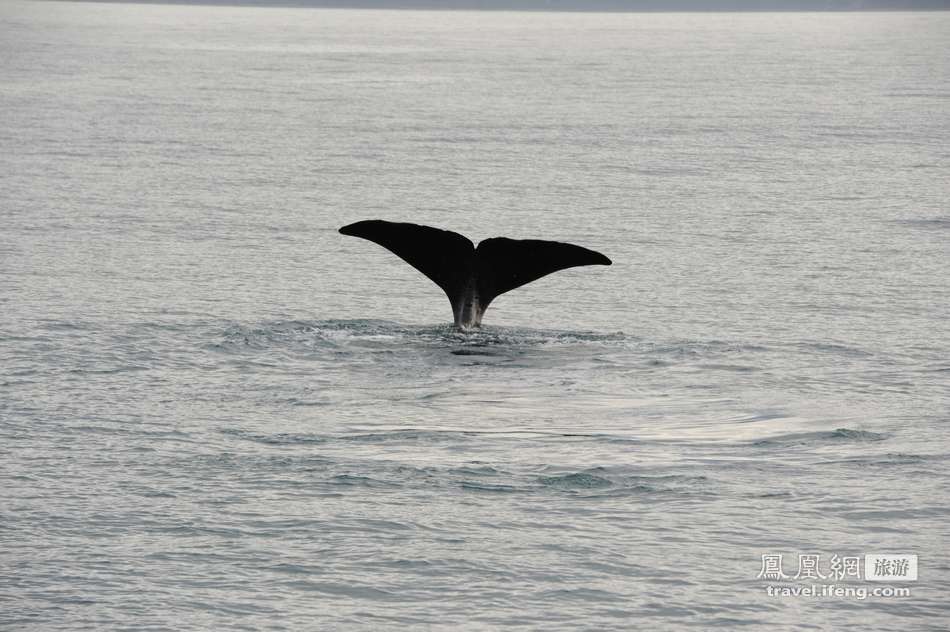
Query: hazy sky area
(604, 5)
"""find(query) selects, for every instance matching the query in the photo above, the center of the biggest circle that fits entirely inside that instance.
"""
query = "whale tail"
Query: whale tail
(472, 277)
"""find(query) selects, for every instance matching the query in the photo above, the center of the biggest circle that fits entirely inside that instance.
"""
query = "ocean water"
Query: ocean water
(216, 412)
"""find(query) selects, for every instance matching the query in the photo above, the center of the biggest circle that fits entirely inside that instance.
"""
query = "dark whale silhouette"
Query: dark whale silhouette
(472, 277)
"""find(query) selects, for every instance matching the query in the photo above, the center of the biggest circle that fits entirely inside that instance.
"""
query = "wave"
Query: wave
(840, 435)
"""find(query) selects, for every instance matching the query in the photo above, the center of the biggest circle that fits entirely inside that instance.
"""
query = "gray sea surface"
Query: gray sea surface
(216, 412)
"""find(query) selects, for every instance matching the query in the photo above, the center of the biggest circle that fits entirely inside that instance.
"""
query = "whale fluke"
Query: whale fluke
(472, 277)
